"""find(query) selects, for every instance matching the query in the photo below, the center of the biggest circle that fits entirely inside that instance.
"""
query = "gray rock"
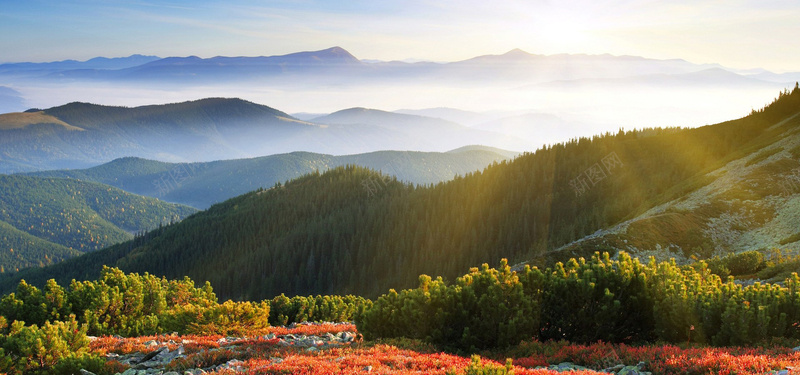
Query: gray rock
(345, 336)
(614, 369)
(233, 364)
(567, 366)
(85, 372)
(632, 370)
(153, 354)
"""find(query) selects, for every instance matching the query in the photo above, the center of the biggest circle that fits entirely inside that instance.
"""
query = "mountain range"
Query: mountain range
(599, 92)
(33, 69)
(353, 230)
(80, 135)
(338, 65)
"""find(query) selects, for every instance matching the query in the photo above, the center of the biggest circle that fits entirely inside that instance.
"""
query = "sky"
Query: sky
(740, 34)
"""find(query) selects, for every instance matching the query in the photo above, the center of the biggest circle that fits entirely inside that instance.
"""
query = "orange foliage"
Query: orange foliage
(268, 356)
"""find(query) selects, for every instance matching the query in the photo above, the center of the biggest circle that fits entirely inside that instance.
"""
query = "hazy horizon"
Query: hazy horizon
(588, 67)
(741, 34)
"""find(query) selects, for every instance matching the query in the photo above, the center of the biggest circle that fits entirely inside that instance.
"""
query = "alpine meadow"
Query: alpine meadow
(395, 187)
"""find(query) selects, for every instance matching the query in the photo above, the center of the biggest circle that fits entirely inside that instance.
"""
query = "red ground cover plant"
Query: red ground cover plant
(191, 343)
(260, 355)
(665, 359)
(313, 329)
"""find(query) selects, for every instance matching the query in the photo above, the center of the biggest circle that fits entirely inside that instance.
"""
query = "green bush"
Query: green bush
(601, 299)
(718, 267)
(73, 364)
(476, 367)
(31, 349)
(780, 267)
(746, 263)
(486, 308)
(133, 305)
(741, 264)
(585, 301)
(228, 318)
(285, 310)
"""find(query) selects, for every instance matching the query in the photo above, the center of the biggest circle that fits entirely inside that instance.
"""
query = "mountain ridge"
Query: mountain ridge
(215, 129)
(352, 230)
(193, 68)
(202, 184)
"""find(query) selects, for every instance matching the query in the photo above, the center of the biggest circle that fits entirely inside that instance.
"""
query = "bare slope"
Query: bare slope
(19, 120)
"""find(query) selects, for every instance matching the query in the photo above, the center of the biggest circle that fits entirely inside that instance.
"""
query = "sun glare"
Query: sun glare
(560, 32)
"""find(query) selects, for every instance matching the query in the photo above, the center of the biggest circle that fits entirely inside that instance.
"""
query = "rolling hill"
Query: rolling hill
(81, 135)
(351, 230)
(203, 184)
(46, 220)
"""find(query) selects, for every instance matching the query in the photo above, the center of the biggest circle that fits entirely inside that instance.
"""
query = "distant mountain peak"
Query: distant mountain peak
(337, 50)
(516, 52)
(336, 53)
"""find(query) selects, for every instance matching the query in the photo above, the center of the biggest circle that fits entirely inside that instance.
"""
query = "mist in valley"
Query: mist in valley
(524, 109)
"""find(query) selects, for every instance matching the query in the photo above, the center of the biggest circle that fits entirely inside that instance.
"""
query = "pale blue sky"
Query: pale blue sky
(735, 33)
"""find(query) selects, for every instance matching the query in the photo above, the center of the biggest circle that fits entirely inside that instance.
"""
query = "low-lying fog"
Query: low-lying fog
(537, 114)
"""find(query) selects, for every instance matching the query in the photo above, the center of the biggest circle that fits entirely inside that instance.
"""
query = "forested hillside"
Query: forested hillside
(45, 220)
(349, 230)
(202, 184)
